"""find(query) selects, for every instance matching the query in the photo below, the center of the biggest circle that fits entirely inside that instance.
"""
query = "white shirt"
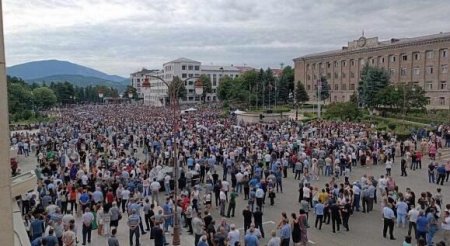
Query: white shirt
(155, 186)
(126, 194)
(446, 224)
(233, 237)
(225, 185)
(222, 196)
(306, 192)
(413, 214)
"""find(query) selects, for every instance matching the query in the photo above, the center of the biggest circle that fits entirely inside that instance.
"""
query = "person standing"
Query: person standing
(388, 165)
(412, 218)
(233, 236)
(389, 217)
(422, 226)
(197, 227)
(274, 241)
(285, 233)
(112, 240)
(232, 203)
(257, 217)
(222, 202)
(335, 216)
(318, 210)
(445, 226)
(133, 224)
(87, 219)
(247, 217)
(403, 167)
(154, 187)
(296, 232)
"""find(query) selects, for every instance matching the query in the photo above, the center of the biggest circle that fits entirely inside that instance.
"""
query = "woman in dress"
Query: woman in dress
(296, 232)
(303, 223)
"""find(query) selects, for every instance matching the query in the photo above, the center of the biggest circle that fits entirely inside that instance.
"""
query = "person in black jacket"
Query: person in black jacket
(257, 217)
(403, 167)
(247, 217)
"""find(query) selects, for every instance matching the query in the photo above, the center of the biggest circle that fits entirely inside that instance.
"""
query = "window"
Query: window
(191, 91)
(328, 75)
(214, 83)
(352, 87)
(343, 98)
(335, 98)
(429, 85)
(392, 58)
(344, 87)
(361, 61)
(352, 75)
(392, 72)
(314, 77)
(442, 101)
(314, 66)
(190, 98)
(183, 67)
(308, 77)
(328, 65)
(183, 75)
(403, 71)
(444, 53)
(308, 87)
(444, 68)
(197, 68)
(381, 59)
(443, 85)
(336, 75)
(416, 56)
(191, 75)
(191, 82)
(352, 62)
(344, 75)
(430, 70)
(336, 87)
(335, 64)
(372, 61)
(190, 67)
(344, 63)
(307, 66)
(416, 71)
(196, 75)
(430, 54)
(404, 57)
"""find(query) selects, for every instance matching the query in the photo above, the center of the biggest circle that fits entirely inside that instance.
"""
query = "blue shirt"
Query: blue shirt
(318, 209)
(421, 224)
(251, 240)
(285, 231)
(84, 198)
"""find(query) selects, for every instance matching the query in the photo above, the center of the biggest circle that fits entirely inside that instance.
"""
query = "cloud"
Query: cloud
(121, 36)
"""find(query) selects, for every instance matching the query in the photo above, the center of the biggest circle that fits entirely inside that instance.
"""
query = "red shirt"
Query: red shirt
(109, 197)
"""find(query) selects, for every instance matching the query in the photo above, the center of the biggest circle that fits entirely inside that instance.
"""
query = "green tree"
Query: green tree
(130, 90)
(373, 80)
(343, 111)
(301, 96)
(207, 85)
(19, 97)
(44, 97)
(285, 84)
(177, 86)
(325, 89)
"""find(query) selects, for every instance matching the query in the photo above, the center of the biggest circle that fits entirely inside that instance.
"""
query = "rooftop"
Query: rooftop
(218, 68)
(381, 44)
(183, 59)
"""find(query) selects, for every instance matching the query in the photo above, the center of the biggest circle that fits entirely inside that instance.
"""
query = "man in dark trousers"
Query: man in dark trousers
(247, 218)
(403, 167)
(335, 216)
(257, 217)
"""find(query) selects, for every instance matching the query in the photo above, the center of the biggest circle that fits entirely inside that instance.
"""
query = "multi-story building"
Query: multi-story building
(188, 71)
(421, 61)
(137, 79)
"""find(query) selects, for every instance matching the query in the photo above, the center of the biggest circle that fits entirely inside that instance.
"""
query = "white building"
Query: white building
(188, 71)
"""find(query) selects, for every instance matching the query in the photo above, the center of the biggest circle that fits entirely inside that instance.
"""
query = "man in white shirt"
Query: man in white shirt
(167, 179)
(155, 186)
(223, 202)
(87, 219)
(412, 218)
(233, 236)
(239, 177)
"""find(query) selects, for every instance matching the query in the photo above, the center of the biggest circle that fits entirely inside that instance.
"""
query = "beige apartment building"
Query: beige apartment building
(422, 61)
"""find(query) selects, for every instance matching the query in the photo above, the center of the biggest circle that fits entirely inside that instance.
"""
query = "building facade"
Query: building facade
(421, 61)
(188, 71)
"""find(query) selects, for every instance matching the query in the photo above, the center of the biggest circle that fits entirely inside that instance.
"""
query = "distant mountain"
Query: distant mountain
(79, 80)
(48, 68)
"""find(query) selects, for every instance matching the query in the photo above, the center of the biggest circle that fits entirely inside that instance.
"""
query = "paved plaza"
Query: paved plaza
(365, 228)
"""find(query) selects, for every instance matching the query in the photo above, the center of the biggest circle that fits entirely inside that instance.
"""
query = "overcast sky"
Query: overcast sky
(122, 36)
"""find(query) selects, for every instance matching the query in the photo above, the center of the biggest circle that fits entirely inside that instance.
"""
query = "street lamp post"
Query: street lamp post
(173, 95)
(319, 88)
(296, 111)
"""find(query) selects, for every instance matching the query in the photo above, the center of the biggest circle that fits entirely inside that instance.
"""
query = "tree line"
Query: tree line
(26, 100)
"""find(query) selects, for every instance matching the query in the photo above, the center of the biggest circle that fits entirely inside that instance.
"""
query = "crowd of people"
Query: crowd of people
(106, 165)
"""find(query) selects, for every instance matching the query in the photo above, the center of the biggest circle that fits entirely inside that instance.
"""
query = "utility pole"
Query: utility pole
(319, 88)
(6, 226)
